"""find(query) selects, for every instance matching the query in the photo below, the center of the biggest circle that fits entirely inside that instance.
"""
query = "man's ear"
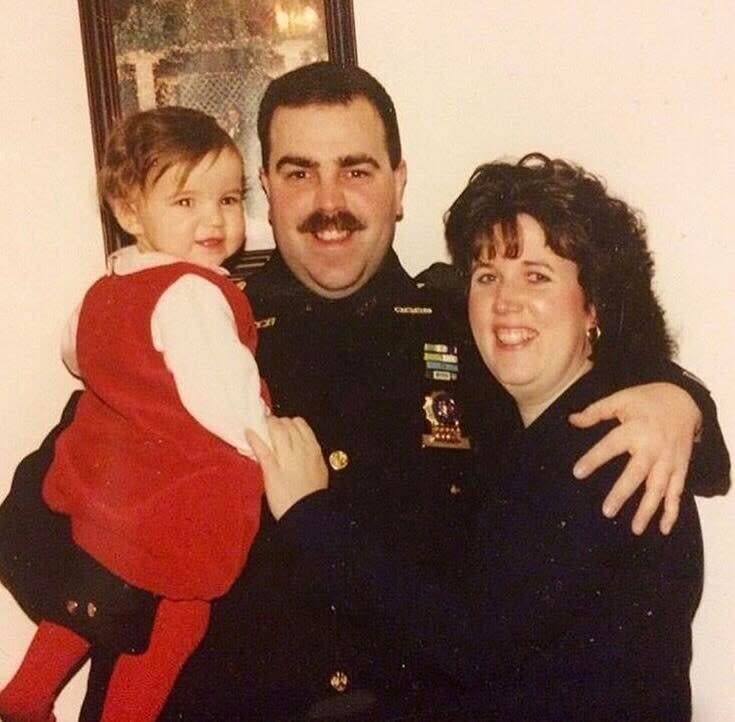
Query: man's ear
(265, 184)
(400, 176)
(126, 214)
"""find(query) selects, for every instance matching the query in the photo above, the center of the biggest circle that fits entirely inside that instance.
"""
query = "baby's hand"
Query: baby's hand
(294, 468)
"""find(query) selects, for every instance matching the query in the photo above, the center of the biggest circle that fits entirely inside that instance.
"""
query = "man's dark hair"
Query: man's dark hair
(327, 83)
(601, 234)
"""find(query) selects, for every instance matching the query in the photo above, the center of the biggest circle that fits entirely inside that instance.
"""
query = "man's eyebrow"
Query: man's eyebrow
(297, 160)
(346, 161)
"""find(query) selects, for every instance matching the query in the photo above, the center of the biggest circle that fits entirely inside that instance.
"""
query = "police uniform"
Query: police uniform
(376, 376)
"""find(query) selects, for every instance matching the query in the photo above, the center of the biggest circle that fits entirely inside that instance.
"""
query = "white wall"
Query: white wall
(642, 95)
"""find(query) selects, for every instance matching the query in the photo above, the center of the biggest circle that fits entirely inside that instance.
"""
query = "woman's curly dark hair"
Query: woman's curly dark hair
(601, 234)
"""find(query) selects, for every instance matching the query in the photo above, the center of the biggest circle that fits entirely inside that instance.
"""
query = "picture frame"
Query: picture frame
(216, 55)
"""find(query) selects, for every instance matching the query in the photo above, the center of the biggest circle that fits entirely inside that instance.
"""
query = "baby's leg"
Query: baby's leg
(141, 683)
(53, 654)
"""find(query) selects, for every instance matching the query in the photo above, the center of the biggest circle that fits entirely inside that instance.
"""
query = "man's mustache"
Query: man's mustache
(340, 221)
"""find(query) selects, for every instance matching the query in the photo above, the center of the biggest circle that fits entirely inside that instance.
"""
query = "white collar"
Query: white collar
(131, 260)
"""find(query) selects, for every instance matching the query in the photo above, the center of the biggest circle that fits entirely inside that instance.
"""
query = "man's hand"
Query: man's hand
(294, 468)
(658, 425)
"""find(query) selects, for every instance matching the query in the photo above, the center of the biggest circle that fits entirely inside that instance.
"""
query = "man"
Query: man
(373, 361)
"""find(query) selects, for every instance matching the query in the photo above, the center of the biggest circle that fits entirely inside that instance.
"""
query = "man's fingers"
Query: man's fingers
(657, 482)
(672, 502)
(676, 485)
(610, 446)
(304, 430)
(626, 485)
(262, 451)
(639, 469)
(646, 509)
(607, 408)
(282, 432)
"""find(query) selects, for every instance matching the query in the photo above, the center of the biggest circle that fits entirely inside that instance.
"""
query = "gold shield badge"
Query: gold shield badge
(441, 411)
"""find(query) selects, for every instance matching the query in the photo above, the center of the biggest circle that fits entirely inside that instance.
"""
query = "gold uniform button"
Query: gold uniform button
(339, 681)
(72, 606)
(91, 609)
(454, 489)
(338, 460)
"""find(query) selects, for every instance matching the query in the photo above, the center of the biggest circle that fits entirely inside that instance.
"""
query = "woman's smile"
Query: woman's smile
(514, 337)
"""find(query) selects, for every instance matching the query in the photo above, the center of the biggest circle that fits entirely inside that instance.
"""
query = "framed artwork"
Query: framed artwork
(213, 55)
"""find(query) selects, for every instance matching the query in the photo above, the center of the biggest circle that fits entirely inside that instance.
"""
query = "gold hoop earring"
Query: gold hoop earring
(593, 334)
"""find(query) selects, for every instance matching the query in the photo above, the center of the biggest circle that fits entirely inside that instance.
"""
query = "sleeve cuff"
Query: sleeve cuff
(309, 520)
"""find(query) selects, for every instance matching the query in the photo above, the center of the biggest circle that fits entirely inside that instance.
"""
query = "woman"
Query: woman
(571, 617)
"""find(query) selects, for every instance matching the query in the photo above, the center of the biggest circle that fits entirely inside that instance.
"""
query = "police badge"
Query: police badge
(442, 414)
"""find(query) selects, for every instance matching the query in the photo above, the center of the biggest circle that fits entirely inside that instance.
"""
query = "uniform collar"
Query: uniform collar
(275, 281)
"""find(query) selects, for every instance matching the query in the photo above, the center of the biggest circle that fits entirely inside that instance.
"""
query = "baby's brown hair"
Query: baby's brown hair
(144, 145)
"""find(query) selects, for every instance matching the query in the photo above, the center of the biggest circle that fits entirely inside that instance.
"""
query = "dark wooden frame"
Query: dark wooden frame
(104, 93)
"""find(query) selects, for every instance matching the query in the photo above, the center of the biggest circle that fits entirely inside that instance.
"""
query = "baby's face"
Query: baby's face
(200, 221)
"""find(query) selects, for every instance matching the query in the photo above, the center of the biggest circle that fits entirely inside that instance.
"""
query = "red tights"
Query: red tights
(140, 683)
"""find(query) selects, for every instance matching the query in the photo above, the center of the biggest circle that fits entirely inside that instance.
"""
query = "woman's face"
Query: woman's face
(530, 319)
